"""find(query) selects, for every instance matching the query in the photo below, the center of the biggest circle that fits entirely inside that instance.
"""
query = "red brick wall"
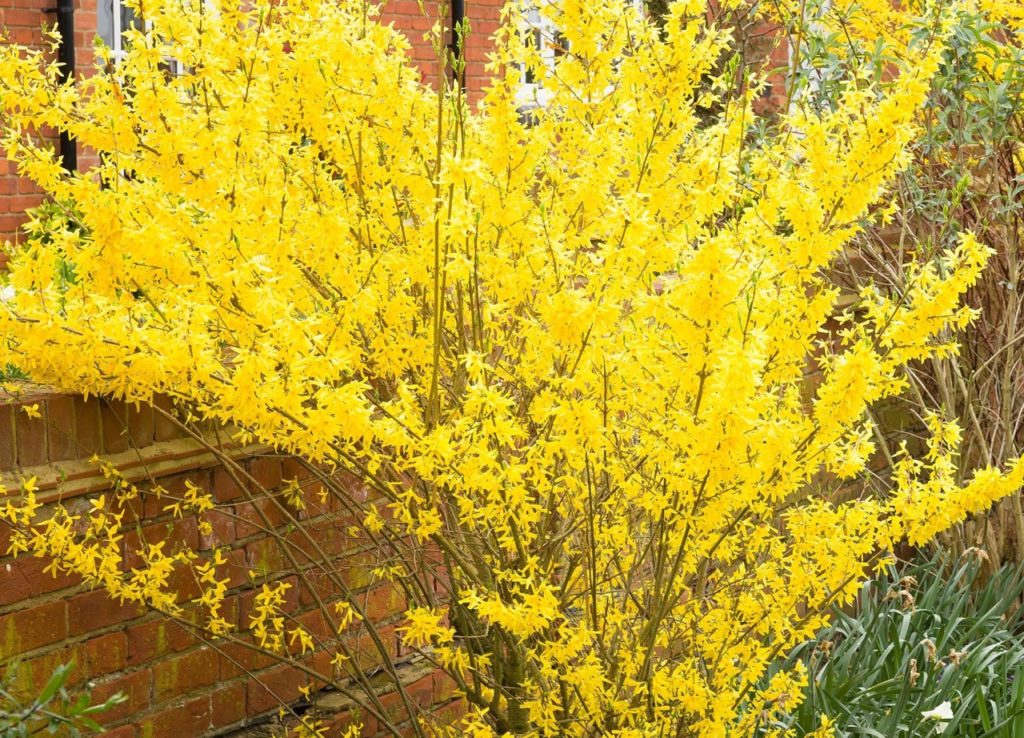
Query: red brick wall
(23, 20)
(177, 685)
(483, 17)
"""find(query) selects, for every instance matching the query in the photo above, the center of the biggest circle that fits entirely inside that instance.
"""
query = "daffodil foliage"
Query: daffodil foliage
(569, 353)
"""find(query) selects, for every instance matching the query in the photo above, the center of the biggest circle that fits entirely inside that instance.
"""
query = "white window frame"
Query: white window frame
(544, 32)
(551, 45)
(116, 41)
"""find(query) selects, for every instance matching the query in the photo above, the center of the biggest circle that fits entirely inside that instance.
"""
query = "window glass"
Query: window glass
(113, 18)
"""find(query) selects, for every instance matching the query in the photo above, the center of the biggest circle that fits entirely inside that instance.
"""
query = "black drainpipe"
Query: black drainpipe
(458, 18)
(65, 11)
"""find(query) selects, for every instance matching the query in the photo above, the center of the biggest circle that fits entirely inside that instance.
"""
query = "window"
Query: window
(113, 18)
(542, 34)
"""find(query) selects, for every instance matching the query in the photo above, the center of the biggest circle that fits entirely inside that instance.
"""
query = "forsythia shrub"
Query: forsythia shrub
(568, 356)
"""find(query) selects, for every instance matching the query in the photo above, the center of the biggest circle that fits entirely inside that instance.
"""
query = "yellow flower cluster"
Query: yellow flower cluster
(569, 353)
(89, 544)
(267, 621)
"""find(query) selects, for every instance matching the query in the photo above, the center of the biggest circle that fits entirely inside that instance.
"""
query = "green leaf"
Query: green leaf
(56, 681)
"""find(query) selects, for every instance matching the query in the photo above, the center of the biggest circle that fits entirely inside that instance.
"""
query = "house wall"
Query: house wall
(24, 20)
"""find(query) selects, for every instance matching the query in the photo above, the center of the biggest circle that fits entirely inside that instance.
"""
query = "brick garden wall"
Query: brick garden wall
(176, 684)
